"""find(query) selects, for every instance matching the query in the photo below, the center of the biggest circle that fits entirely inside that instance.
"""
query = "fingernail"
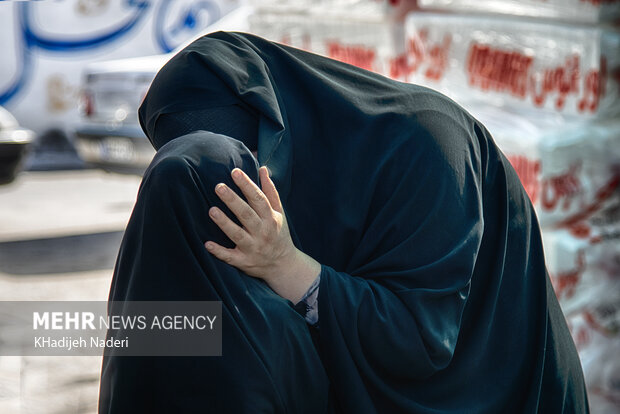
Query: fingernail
(220, 188)
(213, 212)
(236, 173)
(209, 245)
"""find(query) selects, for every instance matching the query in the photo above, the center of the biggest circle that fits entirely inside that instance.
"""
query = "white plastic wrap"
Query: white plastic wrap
(570, 171)
(513, 63)
(596, 332)
(582, 11)
(346, 8)
(372, 43)
(286, 28)
(584, 265)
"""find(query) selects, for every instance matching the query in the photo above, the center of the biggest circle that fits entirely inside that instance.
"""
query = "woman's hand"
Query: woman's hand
(264, 248)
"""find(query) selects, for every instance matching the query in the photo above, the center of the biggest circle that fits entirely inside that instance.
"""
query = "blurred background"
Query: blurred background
(542, 75)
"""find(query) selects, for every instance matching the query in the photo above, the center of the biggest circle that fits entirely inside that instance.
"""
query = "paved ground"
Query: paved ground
(59, 235)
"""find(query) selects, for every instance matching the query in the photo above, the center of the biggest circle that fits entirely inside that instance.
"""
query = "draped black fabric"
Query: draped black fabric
(434, 297)
(232, 121)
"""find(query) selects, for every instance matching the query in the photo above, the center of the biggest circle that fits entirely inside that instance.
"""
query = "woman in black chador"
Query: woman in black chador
(397, 268)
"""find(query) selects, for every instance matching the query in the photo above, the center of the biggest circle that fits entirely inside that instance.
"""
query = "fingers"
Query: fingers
(270, 190)
(256, 198)
(246, 215)
(264, 239)
(235, 233)
(230, 256)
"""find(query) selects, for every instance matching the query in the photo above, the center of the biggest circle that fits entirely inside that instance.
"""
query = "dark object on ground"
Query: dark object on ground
(53, 150)
(14, 145)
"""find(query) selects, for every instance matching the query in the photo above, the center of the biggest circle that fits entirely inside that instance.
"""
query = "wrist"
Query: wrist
(293, 275)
